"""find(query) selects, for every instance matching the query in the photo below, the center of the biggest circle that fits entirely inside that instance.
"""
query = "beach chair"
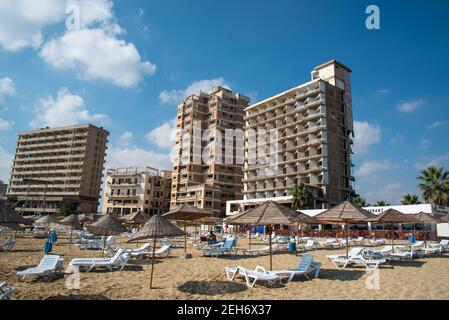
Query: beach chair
(227, 248)
(359, 241)
(2, 229)
(305, 267)
(353, 252)
(310, 245)
(379, 254)
(8, 244)
(164, 251)
(443, 245)
(377, 242)
(252, 276)
(49, 266)
(5, 291)
(101, 244)
(171, 244)
(357, 258)
(256, 251)
(145, 249)
(119, 260)
(406, 254)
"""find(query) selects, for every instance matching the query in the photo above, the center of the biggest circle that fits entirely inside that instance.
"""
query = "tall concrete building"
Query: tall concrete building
(3, 189)
(137, 189)
(53, 166)
(205, 175)
(309, 131)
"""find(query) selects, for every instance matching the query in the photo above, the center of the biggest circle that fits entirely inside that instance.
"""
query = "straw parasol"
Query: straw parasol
(73, 222)
(186, 213)
(392, 216)
(268, 213)
(156, 227)
(106, 226)
(47, 220)
(138, 217)
(425, 218)
(443, 219)
(87, 218)
(10, 218)
(345, 213)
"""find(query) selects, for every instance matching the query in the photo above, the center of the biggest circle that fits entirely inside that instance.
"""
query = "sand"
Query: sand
(204, 278)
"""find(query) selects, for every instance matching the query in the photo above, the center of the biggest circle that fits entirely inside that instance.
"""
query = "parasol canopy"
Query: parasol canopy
(48, 219)
(71, 221)
(186, 212)
(425, 218)
(10, 217)
(138, 217)
(107, 225)
(393, 216)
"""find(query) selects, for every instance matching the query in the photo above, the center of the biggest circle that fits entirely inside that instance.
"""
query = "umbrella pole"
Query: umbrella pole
(347, 240)
(249, 241)
(152, 262)
(271, 251)
(185, 237)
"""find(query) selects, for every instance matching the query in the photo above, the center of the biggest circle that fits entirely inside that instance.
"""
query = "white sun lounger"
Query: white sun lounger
(227, 248)
(252, 276)
(164, 251)
(407, 254)
(171, 244)
(359, 241)
(354, 252)
(49, 266)
(310, 245)
(377, 242)
(97, 244)
(443, 245)
(119, 260)
(305, 267)
(139, 252)
(380, 254)
(256, 251)
(8, 244)
(5, 291)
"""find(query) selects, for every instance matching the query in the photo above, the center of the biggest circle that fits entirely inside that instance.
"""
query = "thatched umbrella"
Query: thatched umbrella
(74, 224)
(156, 227)
(186, 213)
(266, 214)
(137, 218)
(48, 219)
(392, 216)
(87, 218)
(10, 218)
(425, 218)
(345, 213)
(106, 226)
(443, 219)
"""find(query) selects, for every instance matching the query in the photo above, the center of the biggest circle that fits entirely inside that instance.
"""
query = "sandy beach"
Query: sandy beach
(204, 278)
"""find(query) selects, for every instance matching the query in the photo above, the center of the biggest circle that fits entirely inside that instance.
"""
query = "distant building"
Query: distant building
(313, 128)
(56, 165)
(209, 183)
(134, 189)
(3, 189)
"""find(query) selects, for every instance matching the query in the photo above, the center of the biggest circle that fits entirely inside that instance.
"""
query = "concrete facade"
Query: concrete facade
(134, 189)
(55, 165)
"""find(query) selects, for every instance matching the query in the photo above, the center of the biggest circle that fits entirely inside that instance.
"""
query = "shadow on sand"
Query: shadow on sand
(79, 297)
(212, 288)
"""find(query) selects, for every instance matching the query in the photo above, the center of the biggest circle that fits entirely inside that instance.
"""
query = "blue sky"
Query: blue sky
(132, 61)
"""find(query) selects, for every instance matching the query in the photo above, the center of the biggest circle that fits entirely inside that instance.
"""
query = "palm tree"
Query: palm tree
(435, 185)
(302, 197)
(359, 202)
(382, 204)
(410, 199)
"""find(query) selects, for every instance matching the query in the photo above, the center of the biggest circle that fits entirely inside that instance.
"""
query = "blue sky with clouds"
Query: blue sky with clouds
(131, 62)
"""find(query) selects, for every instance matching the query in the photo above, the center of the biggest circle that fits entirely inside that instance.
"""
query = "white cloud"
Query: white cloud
(382, 92)
(22, 21)
(7, 88)
(176, 96)
(6, 125)
(126, 156)
(365, 135)
(126, 138)
(438, 161)
(93, 11)
(5, 164)
(437, 124)
(424, 144)
(163, 136)
(391, 192)
(64, 109)
(410, 106)
(372, 168)
(98, 54)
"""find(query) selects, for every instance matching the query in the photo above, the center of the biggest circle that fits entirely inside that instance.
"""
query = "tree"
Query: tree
(382, 204)
(302, 196)
(434, 184)
(359, 202)
(68, 208)
(410, 199)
